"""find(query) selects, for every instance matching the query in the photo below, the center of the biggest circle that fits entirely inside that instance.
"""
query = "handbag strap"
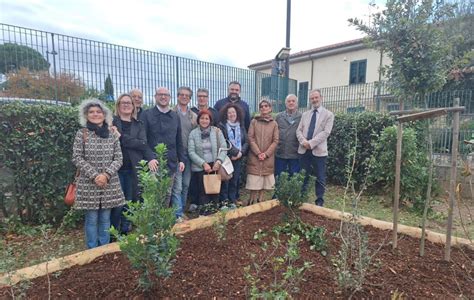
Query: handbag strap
(218, 130)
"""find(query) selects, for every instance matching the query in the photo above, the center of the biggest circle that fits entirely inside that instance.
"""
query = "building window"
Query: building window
(303, 94)
(357, 72)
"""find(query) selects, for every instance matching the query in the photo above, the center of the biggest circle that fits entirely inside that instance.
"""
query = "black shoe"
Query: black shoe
(319, 202)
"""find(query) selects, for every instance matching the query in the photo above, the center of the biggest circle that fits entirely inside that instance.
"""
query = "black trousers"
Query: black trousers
(199, 194)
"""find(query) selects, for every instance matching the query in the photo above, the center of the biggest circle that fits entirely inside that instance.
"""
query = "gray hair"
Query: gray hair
(135, 90)
(290, 95)
(87, 104)
(203, 90)
(315, 90)
(186, 88)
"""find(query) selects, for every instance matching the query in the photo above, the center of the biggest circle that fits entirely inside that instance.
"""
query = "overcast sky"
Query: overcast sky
(236, 33)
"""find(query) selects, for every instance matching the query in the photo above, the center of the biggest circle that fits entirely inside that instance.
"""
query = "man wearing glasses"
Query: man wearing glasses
(188, 120)
(203, 103)
(162, 125)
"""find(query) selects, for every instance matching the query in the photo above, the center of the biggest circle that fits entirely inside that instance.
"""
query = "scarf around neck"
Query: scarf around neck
(233, 132)
(101, 131)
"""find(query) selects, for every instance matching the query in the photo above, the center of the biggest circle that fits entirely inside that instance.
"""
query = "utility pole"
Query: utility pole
(287, 45)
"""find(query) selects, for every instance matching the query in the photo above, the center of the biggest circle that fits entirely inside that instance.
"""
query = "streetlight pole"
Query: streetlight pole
(287, 45)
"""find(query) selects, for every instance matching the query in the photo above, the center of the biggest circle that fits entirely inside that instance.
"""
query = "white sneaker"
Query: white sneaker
(192, 207)
(179, 220)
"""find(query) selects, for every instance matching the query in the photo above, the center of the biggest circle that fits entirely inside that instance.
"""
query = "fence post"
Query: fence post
(54, 53)
(452, 181)
(396, 196)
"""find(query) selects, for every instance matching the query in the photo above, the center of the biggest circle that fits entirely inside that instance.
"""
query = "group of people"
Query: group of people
(199, 139)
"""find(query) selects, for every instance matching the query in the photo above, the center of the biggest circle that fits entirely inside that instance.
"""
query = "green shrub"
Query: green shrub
(289, 189)
(152, 246)
(361, 128)
(414, 166)
(36, 145)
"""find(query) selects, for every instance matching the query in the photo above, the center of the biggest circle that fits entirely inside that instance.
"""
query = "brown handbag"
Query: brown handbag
(70, 196)
(71, 188)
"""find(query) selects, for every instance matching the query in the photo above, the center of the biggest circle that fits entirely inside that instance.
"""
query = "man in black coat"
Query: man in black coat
(162, 125)
(234, 97)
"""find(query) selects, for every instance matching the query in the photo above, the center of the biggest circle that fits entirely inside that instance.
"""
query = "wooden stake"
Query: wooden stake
(452, 182)
(396, 193)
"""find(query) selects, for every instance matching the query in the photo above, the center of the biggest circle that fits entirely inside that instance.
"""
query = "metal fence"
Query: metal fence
(376, 97)
(77, 68)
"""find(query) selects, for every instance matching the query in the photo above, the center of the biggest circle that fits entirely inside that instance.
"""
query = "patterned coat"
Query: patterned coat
(97, 155)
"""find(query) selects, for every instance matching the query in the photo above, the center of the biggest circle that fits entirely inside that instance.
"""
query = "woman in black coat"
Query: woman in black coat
(134, 144)
(231, 118)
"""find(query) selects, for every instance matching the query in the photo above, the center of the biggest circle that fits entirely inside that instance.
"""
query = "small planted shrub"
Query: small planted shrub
(290, 192)
(287, 269)
(152, 246)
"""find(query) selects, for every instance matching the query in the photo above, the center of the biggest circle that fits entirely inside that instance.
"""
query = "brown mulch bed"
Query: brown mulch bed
(206, 268)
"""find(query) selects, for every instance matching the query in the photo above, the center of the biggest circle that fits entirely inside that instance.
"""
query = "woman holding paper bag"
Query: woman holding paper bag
(203, 149)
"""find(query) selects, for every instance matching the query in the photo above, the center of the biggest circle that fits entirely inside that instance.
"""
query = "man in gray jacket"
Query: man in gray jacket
(286, 158)
(313, 132)
(188, 120)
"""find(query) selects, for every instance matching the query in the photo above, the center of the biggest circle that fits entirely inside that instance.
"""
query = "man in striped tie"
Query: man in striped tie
(312, 133)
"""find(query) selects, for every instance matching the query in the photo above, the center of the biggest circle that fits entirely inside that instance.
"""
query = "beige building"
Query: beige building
(348, 66)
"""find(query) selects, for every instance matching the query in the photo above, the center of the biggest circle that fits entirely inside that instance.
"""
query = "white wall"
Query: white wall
(333, 70)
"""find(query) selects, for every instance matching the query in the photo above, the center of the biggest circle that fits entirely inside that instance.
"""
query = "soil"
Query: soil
(206, 268)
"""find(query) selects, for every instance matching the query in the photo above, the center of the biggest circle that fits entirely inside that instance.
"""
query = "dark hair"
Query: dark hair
(235, 82)
(223, 112)
(204, 112)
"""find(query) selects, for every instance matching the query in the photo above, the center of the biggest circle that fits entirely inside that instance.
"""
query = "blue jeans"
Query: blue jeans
(97, 227)
(316, 166)
(230, 189)
(290, 166)
(176, 194)
(186, 180)
(117, 219)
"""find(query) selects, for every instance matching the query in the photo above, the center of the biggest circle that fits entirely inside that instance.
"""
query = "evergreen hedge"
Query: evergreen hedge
(36, 147)
(360, 129)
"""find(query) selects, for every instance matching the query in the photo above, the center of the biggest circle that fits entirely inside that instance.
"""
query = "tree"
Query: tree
(461, 30)
(109, 88)
(41, 85)
(14, 56)
(411, 33)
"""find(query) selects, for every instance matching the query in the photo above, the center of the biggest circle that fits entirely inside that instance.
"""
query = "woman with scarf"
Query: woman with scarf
(98, 157)
(263, 140)
(203, 149)
(230, 118)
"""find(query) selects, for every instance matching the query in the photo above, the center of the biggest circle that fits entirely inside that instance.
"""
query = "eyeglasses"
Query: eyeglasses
(162, 95)
(126, 103)
(203, 96)
(185, 95)
(264, 105)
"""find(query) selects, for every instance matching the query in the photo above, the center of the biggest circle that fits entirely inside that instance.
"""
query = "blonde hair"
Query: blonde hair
(87, 104)
(117, 104)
